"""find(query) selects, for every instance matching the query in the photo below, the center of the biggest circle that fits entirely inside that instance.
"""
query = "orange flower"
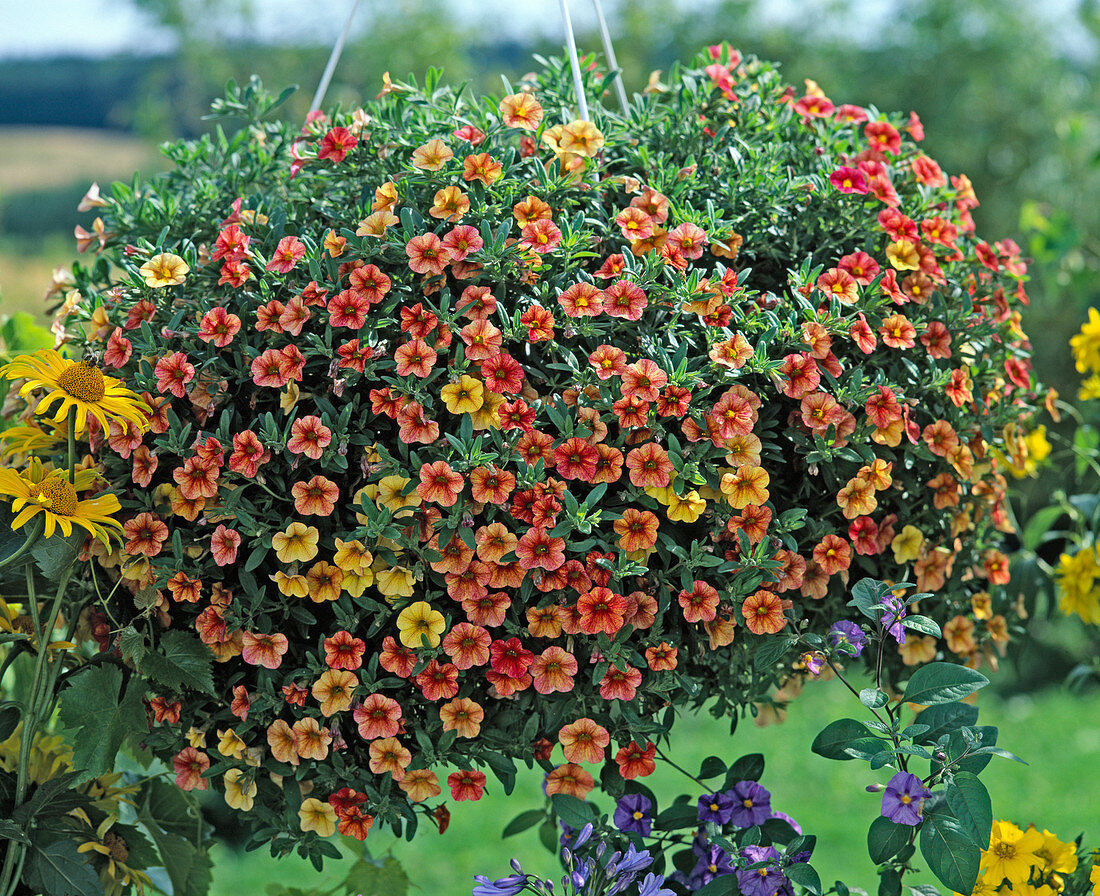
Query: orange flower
(637, 530)
(263, 650)
(635, 761)
(763, 613)
(699, 604)
(420, 784)
(466, 785)
(569, 779)
(661, 658)
(746, 485)
(482, 167)
(449, 204)
(439, 483)
(283, 742)
(467, 645)
(521, 110)
(312, 740)
(581, 138)
(323, 581)
(334, 690)
(584, 741)
(432, 156)
(316, 497)
(387, 755)
(463, 716)
(857, 498)
(553, 670)
(833, 554)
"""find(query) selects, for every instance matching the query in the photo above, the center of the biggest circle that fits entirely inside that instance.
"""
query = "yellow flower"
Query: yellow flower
(419, 620)
(982, 887)
(1086, 344)
(394, 581)
(485, 417)
(28, 440)
(229, 744)
(903, 255)
(464, 397)
(298, 543)
(581, 138)
(317, 816)
(196, 738)
(1090, 388)
(686, 508)
(1094, 879)
(77, 384)
(291, 586)
(906, 545)
(164, 269)
(334, 690)
(50, 493)
(1077, 581)
(239, 794)
(391, 495)
(352, 557)
(356, 583)
(1011, 853)
(1056, 856)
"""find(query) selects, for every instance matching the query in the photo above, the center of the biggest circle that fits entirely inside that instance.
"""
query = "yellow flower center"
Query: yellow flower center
(82, 381)
(55, 494)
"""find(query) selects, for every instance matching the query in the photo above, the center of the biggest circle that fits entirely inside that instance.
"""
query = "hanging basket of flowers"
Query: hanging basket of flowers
(478, 429)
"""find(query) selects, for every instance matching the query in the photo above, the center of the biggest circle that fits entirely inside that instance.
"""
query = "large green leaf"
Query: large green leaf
(59, 870)
(55, 555)
(951, 855)
(969, 800)
(101, 714)
(180, 660)
(885, 839)
(574, 812)
(943, 719)
(385, 878)
(175, 826)
(839, 739)
(942, 683)
(805, 876)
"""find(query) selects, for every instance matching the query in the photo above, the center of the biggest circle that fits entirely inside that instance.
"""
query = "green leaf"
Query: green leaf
(712, 767)
(724, 885)
(54, 798)
(386, 877)
(839, 737)
(133, 645)
(805, 876)
(523, 821)
(59, 870)
(969, 800)
(873, 698)
(9, 830)
(175, 826)
(769, 652)
(885, 839)
(1086, 441)
(951, 855)
(56, 555)
(942, 683)
(922, 624)
(9, 719)
(180, 660)
(677, 817)
(101, 714)
(943, 719)
(1040, 524)
(748, 768)
(574, 812)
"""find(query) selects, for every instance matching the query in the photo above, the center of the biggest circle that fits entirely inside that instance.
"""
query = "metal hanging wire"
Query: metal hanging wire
(334, 57)
(574, 60)
(609, 53)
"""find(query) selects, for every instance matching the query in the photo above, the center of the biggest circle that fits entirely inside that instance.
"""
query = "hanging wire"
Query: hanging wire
(613, 63)
(334, 57)
(574, 60)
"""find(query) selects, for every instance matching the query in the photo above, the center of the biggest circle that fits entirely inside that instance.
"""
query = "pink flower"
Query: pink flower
(287, 254)
(173, 373)
(336, 144)
(223, 545)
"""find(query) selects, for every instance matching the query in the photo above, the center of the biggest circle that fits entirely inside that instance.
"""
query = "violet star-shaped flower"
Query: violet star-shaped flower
(903, 798)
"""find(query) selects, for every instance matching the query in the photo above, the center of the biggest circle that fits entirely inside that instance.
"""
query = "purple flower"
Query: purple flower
(714, 862)
(762, 881)
(847, 637)
(892, 616)
(505, 886)
(903, 798)
(716, 807)
(752, 804)
(651, 886)
(783, 816)
(634, 812)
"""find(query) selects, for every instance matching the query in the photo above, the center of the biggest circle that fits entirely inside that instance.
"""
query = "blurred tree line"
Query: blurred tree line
(1009, 92)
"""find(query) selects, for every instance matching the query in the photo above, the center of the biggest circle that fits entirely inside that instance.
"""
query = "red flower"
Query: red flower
(427, 255)
(439, 483)
(287, 254)
(344, 651)
(415, 358)
(510, 657)
(763, 613)
(848, 180)
(635, 761)
(219, 327)
(576, 459)
(833, 554)
(438, 681)
(624, 299)
(336, 144)
(119, 349)
(540, 236)
(883, 136)
(649, 466)
(223, 545)
(581, 300)
(539, 323)
(466, 785)
(309, 436)
(620, 684)
(700, 604)
(502, 374)
(601, 610)
(644, 380)
(173, 372)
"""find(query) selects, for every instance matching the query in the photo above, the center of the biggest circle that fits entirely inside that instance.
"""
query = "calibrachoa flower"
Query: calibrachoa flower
(471, 430)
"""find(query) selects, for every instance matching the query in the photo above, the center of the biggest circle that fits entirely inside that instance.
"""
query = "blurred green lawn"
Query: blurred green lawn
(1056, 732)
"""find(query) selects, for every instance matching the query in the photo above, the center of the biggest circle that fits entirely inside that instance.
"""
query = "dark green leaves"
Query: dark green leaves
(951, 855)
(572, 811)
(969, 800)
(102, 713)
(845, 739)
(885, 839)
(523, 821)
(59, 870)
(943, 683)
(175, 826)
(180, 661)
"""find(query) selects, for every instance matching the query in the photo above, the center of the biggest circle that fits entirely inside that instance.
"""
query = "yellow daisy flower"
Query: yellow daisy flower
(28, 440)
(419, 619)
(163, 270)
(77, 384)
(50, 493)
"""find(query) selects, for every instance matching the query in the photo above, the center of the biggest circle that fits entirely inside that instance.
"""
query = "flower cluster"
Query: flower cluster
(1033, 862)
(473, 431)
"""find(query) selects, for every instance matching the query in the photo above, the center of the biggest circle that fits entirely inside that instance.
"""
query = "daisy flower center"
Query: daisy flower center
(82, 381)
(56, 495)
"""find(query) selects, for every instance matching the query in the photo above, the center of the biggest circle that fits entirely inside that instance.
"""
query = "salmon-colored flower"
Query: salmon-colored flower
(420, 784)
(636, 761)
(315, 497)
(583, 740)
(189, 765)
(313, 740)
(833, 554)
(620, 684)
(283, 742)
(432, 156)
(661, 658)
(264, 650)
(387, 755)
(438, 681)
(553, 670)
(569, 779)
(700, 604)
(224, 544)
(309, 436)
(287, 254)
(466, 785)
(763, 613)
(649, 466)
(427, 255)
(467, 645)
(637, 530)
(536, 548)
(334, 691)
(378, 716)
(521, 110)
(439, 483)
(463, 716)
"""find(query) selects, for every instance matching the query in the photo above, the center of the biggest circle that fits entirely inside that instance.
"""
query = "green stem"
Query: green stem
(72, 445)
(34, 531)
